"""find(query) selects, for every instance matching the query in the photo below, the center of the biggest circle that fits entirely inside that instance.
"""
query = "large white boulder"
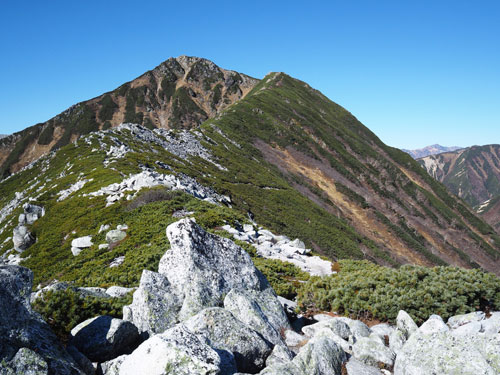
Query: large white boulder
(198, 271)
(176, 351)
(447, 354)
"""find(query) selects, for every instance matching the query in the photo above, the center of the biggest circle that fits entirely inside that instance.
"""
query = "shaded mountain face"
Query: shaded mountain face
(181, 92)
(472, 173)
(490, 211)
(284, 155)
(430, 150)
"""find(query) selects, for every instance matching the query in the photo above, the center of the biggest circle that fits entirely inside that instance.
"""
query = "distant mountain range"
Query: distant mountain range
(430, 150)
(473, 174)
(3, 136)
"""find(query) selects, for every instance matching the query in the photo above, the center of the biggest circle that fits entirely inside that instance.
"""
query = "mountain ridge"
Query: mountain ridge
(473, 174)
(286, 155)
(430, 150)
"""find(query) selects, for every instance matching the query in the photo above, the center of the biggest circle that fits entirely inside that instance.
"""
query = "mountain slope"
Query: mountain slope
(181, 92)
(284, 155)
(473, 174)
(490, 211)
(430, 150)
(333, 160)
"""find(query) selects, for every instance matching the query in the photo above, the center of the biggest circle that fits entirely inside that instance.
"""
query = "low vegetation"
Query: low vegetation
(361, 288)
(64, 309)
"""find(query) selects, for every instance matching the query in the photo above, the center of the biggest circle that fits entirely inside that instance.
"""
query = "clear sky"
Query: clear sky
(414, 72)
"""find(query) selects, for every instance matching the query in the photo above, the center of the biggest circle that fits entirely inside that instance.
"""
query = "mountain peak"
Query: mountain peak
(430, 150)
(181, 92)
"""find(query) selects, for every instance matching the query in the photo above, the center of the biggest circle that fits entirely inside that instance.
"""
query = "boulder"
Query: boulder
(468, 329)
(459, 320)
(280, 355)
(433, 324)
(22, 238)
(31, 214)
(204, 268)
(336, 325)
(27, 362)
(492, 324)
(320, 356)
(115, 235)
(225, 332)
(446, 354)
(355, 367)
(104, 227)
(396, 340)
(293, 339)
(82, 242)
(261, 311)
(405, 323)
(382, 330)
(104, 338)
(357, 327)
(117, 261)
(82, 361)
(176, 351)
(322, 317)
(21, 328)
(372, 352)
(118, 291)
(111, 367)
(198, 271)
(155, 305)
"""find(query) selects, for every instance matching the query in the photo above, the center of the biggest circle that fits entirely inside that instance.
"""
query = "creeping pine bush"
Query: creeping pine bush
(64, 309)
(363, 288)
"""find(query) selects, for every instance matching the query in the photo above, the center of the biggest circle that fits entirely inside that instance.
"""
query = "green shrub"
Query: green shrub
(284, 277)
(108, 108)
(64, 309)
(47, 134)
(362, 288)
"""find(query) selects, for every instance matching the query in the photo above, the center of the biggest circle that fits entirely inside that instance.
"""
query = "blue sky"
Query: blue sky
(416, 73)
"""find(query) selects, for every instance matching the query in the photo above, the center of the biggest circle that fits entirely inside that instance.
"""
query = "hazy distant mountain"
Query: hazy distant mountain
(3, 135)
(430, 150)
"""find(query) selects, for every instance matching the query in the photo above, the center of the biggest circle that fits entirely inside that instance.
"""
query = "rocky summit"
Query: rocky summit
(196, 220)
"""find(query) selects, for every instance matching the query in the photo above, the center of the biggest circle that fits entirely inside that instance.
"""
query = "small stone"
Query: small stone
(115, 235)
(82, 242)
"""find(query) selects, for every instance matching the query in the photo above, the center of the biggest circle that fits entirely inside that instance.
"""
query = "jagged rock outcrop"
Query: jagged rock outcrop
(27, 343)
(31, 214)
(21, 236)
(198, 271)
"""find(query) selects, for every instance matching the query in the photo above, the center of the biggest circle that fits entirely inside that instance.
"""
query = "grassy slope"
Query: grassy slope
(285, 113)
